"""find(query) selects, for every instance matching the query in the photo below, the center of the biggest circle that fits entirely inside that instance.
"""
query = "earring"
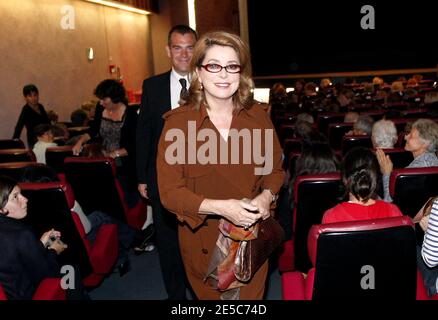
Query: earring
(201, 86)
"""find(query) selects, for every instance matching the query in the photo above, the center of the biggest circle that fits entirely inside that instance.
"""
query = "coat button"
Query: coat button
(204, 251)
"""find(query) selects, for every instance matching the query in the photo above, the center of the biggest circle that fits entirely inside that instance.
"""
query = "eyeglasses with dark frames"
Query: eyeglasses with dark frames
(216, 68)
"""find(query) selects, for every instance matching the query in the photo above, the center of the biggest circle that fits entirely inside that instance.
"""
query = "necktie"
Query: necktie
(184, 92)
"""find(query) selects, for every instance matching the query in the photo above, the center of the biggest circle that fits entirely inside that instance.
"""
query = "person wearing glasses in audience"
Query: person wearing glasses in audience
(162, 93)
(218, 198)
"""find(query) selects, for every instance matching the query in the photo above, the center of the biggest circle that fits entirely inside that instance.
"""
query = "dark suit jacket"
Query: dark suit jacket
(24, 261)
(155, 101)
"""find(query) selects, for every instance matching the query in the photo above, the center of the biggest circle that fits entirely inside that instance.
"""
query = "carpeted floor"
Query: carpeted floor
(144, 282)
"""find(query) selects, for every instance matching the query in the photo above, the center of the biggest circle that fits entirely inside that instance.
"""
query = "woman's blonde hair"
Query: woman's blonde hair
(243, 97)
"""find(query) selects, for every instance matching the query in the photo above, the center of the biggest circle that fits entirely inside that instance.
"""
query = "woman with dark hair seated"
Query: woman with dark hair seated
(114, 126)
(316, 158)
(25, 260)
(361, 177)
(128, 237)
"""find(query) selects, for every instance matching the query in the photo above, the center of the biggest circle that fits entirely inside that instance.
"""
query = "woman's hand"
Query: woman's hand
(77, 148)
(384, 162)
(263, 203)
(424, 222)
(58, 246)
(239, 212)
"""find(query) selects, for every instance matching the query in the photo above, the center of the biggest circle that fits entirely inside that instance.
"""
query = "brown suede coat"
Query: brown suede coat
(183, 187)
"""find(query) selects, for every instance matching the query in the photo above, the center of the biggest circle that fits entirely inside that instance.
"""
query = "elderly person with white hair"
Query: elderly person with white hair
(422, 142)
(384, 134)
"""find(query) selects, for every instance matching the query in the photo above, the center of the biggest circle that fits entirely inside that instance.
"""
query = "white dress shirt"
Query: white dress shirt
(175, 87)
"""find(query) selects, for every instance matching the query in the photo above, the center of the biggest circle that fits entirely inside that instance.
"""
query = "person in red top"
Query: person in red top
(361, 176)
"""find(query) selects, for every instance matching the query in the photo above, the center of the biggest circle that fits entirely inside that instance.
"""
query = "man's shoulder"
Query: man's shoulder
(157, 78)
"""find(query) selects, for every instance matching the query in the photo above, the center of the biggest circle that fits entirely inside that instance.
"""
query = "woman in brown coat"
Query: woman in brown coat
(219, 168)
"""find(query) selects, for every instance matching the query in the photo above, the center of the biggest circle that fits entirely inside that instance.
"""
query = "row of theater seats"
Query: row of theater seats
(366, 260)
(410, 188)
(93, 183)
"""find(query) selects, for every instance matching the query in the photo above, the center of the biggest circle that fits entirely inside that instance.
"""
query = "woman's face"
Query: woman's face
(16, 207)
(223, 84)
(414, 143)
(106, 103)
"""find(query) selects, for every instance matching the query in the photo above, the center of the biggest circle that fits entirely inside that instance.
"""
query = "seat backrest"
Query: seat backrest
(16, 155)
(400, 157)
(292, 145)
(350, 142)
(324, 119)
(369, 259)
(11, 144)
(336, 132)
(49, 207)
(313, 195)
(55, 157)
(410, 188)
(95, 185)
(15, 170)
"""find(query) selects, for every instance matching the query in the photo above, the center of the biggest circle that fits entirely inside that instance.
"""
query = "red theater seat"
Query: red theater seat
(366, 260)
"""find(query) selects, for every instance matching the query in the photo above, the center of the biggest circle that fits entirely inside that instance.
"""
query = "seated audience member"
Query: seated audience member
(25, 260)
(345, 98)
(59, 130)
(362, 127)
(384, 134)
(412, 83)
(277, 94)
(310, 89)
(427, 254)
(32, 114)
(397, 92)
(351, 117)
(304, 116)
(90, 108)
(361, 177)
(316, 158)
(421, 142)
(128, 236)
(79, 118)
(45, 139)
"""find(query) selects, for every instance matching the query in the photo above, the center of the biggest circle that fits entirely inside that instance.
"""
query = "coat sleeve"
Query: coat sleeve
(274, 178)
(174, 194)
(39, 262)
(19, 126)
(143, 135)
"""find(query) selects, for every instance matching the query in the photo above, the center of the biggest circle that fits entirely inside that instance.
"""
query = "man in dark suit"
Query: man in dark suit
(162, 93)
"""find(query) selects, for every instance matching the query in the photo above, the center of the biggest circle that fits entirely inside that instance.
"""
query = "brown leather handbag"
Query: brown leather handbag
(252, 254)
(425, 210)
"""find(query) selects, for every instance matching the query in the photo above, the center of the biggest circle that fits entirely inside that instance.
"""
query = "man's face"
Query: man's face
(32, 99)
(180, 51)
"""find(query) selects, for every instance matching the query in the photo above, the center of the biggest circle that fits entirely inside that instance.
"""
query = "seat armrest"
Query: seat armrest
(293, 286)
(50, 289)
(105, 249)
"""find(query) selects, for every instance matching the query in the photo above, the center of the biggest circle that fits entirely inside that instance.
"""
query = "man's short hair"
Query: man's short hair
(181, 29)
(28, 89)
